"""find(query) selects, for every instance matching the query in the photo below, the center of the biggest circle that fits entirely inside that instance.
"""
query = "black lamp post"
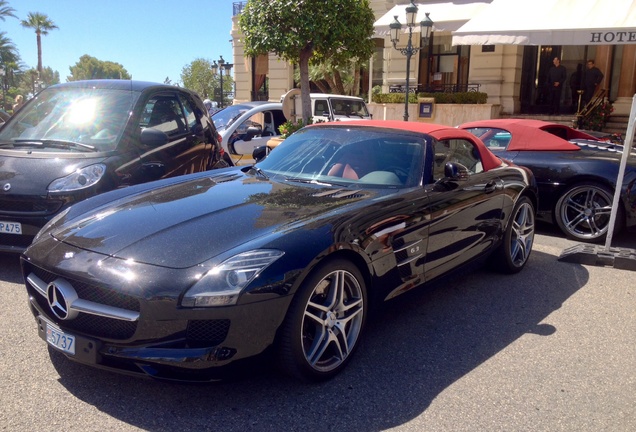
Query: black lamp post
(425, 28)
(2, 74)
(218, 66)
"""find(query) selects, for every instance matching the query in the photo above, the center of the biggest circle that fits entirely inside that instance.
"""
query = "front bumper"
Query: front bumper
(180, 364)
(165, 341)
(32, 213)
(17, 243)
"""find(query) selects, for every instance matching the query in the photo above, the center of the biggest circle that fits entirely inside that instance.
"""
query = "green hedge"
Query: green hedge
(440, 98)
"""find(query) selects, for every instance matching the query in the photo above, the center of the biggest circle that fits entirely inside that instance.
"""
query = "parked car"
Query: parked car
(82, 138)
(244, 127)
(182, 277)
(326, 107)
(576, 173)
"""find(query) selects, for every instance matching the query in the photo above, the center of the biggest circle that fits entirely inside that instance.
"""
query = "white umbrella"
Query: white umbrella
(551, 22)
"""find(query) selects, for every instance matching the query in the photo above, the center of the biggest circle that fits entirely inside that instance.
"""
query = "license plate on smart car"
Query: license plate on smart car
(60, 340)
(10, 227)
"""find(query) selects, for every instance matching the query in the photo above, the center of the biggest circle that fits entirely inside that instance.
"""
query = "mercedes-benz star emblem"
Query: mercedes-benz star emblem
(61, 296)
(6, 187)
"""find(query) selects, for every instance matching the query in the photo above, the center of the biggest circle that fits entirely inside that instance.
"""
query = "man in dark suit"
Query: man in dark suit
(556, 78)
(593, 77)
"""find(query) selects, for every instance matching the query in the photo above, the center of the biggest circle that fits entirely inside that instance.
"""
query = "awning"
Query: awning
(551, 22)
(446, 15)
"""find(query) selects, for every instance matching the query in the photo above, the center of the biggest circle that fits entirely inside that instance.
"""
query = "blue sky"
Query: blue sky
(151, 39)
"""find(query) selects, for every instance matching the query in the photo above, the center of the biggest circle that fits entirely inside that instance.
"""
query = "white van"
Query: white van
(326, 107)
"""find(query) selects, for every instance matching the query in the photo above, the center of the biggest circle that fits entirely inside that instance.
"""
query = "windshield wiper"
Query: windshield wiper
(57, 143)
(312, 181)
(259, 172)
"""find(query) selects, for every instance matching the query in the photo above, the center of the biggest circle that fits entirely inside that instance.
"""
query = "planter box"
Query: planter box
(444, 114)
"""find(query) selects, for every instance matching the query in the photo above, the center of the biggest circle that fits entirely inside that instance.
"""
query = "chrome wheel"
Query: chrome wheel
(324, 322)
(583, 212)
(522, 234)
(513, 252)
(332, 320)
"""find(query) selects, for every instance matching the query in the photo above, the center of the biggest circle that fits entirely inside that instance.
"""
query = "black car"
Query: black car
(178, 278)
(576, 173)
(82, 138)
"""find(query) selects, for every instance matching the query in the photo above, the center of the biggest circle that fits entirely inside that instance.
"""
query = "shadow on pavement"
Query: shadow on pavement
(418, 345)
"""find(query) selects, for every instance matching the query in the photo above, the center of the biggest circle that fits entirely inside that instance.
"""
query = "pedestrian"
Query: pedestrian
(18, 102)
(593, 77)
(556, 77)
(211, 106)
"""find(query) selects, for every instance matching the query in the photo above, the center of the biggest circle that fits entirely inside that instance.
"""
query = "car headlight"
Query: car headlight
(79, 179)
(222, 285)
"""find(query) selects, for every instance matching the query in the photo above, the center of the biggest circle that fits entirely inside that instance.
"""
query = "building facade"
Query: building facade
(513, 76)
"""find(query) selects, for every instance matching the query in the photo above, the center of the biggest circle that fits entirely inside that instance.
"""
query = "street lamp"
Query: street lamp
(219, 66)
(425, 26)
(2, 73)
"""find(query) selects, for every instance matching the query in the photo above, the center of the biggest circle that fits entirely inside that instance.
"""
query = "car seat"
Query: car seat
(164, 116)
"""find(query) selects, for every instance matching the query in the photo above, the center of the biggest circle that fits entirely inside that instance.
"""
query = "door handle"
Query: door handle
(493, 185)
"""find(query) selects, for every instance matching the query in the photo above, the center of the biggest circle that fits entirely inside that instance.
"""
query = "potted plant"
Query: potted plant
(599, 116)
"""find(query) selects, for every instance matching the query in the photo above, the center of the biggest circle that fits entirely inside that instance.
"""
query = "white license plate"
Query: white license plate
(60, 340)
(10, 227)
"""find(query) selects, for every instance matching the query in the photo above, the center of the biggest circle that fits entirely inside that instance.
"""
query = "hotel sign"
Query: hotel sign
(612, 37)
(582, 36)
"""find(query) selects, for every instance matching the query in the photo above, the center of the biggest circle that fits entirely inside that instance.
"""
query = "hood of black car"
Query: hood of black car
(185, 223)
(30, 173)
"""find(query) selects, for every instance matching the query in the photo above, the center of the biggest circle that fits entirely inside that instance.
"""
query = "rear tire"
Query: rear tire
(583, 212)
(324, 322)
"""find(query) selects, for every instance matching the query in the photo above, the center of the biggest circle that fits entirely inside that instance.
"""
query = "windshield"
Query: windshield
(224, 118)
(354, 156)
(87, 118)
(349, 107)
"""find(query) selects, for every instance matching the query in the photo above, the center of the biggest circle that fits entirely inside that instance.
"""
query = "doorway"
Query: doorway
(537, 61)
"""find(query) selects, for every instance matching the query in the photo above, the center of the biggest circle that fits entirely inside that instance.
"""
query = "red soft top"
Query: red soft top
(534, 135)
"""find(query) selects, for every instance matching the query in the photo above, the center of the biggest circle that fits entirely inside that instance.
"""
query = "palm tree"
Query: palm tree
(8, 51)
(41, 24)
(8, 55)
(6, 10)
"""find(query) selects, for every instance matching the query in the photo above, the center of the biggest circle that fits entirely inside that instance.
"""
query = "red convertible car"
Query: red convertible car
(576, 173)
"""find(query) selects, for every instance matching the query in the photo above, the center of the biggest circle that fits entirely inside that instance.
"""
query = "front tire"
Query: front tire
(324, 322)
(583, 212)
(514, 252)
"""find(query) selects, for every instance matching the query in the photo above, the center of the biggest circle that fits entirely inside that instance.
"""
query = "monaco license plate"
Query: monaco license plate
(60, 340)
(10, 227)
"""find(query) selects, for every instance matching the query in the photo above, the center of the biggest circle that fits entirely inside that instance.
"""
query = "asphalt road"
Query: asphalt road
(549, 349)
